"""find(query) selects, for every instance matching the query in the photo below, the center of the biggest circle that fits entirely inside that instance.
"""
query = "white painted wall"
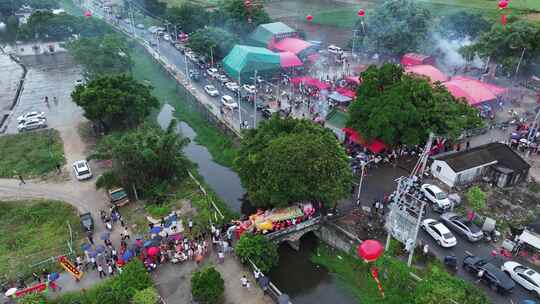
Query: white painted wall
(443, 172)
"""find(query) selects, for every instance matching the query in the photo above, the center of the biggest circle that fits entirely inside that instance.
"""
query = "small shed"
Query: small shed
(416, 59)
(495, 162)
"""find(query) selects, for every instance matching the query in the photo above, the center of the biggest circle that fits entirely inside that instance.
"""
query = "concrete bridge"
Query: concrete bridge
(323, 227)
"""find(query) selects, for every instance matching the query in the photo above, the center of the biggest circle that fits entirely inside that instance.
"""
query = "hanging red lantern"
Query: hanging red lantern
(503, 19)
(88, 14)
(370, 250)
(503, 4)
(247, 3)
(309, 18)
(361, 12)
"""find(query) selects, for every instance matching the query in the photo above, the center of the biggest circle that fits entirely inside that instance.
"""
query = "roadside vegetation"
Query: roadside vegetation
(33, 231)
(207, 286)
(30, 154)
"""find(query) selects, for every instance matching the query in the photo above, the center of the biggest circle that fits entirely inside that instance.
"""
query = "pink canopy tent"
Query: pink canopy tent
(293, 45)
(428, 71)
(474, 91)
(346, 92)
(353, 80)
(310, 82)
(375, 146)
(416, 59)
(289, 60)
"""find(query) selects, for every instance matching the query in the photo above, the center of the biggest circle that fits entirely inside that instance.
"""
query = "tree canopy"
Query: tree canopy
(285, 161)
(396, 27)
(147, 158)
(235, 16)
(212, 41)
(462, 25)
(190, 16)
(257, 248)
(402, 109)
(9, 7)
(115, 101)
(207, 286)
(506, 44)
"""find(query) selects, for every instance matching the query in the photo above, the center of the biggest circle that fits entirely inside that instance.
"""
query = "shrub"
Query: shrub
(207, 286)
(259, 250)
(133, 278)
(476, 198)
(33, 298)
(146, 296)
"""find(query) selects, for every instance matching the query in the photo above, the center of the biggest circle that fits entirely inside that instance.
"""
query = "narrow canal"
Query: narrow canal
(304, 281)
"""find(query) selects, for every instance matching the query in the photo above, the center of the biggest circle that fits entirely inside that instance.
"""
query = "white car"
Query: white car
(32, 124)
(140, 26)
(223, 78)
(166, 37)
(82, 170)
(212, 72)
(524, 276)
(229, 102)
(439, 233)
(31, 115)
(436, 196)
(334, 49)
(211, 90)
(232, 86)
(251, 89)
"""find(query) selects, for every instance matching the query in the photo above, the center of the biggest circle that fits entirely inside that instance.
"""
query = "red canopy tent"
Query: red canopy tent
(428, 71)
(355, 80)
(310, 82)
(293, 45)
(289, 60)
(346, 92)
(375, 146)
(416, 59)
(474, 91)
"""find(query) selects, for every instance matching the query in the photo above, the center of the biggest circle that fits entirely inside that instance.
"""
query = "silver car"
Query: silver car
(462, 226)
(32, 124)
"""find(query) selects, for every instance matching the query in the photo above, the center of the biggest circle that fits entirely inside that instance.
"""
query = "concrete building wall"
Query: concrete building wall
(337, 237)
(443, 172)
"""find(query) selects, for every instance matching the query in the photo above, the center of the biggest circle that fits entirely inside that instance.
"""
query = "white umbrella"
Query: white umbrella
(10, 292)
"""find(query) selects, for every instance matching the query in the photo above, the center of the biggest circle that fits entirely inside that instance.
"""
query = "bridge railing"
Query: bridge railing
(294, 228)
(272, 291)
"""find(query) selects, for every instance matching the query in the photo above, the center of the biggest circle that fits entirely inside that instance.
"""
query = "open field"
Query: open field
(32, 231)
(30, 154)
(201, 2)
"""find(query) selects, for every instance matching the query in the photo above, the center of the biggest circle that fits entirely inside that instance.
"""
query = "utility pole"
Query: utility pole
(411, 252)
(519, 62)
(212, 58)
(362, 172)
(255, 101)
(239, 104)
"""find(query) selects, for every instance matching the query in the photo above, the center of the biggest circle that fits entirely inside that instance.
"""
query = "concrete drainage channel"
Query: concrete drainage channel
(18, 93)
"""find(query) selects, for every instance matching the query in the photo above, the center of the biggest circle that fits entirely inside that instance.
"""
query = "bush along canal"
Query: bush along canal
(296, 275)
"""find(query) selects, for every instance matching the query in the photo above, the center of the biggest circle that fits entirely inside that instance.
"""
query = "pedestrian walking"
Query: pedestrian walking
(110, 269)
(21, 180)
(221, 257)
(244, 281)
(190, 225)
(126, 234)
(58, 168)
(480, 274)
(93, 262)
(100, 271)
(90, 237)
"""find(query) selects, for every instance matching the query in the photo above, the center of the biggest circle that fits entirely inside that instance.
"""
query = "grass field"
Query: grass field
(204, 3)
(32, 231)
(30, 154)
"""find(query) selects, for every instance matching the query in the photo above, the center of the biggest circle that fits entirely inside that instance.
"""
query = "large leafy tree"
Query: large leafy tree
(116, 101)
(148, 158)
(259, 250)
(107, 54)
(462, 25)
(396, 27)
(236, 16)
(285, 161)
(9, 7)
(189, 16)
(506, 44)
(402, 109)
(156, 8)
(207, 286)
(212, 41)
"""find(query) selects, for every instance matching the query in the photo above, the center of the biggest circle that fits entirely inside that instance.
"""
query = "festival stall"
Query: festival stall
(416, 59)
(475, 92)
(428, 71)
(375, 146)
(275, 219)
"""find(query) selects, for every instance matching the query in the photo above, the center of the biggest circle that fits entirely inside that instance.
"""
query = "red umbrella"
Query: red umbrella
(153, 251)
(309, 18)
(361, 12)
(88, 14)
(370, 250)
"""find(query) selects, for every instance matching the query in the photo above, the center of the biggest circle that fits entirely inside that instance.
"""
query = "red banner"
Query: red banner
(69, 267)
(36, 288)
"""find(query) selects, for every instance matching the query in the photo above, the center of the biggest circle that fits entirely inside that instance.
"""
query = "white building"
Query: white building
(494, 162)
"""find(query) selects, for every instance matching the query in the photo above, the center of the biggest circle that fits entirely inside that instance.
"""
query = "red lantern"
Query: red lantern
(361, 12)
(247, 3)
(503, 19)
(309, 18)
(370, 250)
(88, 14)
(503, 4)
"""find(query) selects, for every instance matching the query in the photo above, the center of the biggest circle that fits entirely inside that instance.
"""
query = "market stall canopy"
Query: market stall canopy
(339, 98)
(474, 91)
(428, 71)
(265, 33)
(248, 59)
(346, 92)
(353, 80)
(293, 45)
(289, 60)
(375, 146)
(416, 59)
(310, 82)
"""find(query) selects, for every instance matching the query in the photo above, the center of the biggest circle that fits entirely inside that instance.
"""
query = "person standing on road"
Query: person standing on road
(90, 237)
(21, 180)
(100, 271)
(244, 281)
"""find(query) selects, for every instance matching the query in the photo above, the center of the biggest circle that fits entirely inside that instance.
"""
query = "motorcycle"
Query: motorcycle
(450, 261)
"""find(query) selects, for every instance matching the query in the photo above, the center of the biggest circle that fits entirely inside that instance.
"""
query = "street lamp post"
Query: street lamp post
(362, 171)
(255, 101)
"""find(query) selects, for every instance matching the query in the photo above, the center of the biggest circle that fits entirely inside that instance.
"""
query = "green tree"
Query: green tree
(476, 198)
(107, 54)
(190, 16)
(155, 8)
(116, 102)
(147, 158)
(240, 19)
(259, 250)
(133, 278)
(506, 44)
(146, 296)
(12, 27)
(212, 41)
(207, 286)
(402, 109)
(286, 161)
(396, 27)
(462, 24)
